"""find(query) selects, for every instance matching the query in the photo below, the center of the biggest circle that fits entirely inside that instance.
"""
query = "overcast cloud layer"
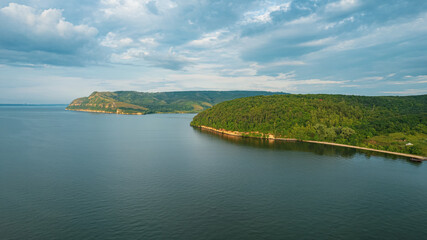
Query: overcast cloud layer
(54, 51)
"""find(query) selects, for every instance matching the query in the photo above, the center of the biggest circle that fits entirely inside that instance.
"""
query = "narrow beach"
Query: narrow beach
(271, 137)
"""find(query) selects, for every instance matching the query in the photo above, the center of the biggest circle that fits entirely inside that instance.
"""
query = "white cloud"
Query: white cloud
(32, 36)
(318, 42)
(211, 39)
(123, 8)
(316, 82)
(281, 63)
(129, 54)
(421, 77)
(148, 41)
(263, 15)
(411, 80)
(225, 44)
(285, 63)
(141, 56)
(341, 22)
(239, 71)
(408, 92)
(28, 21)
(113, 41)
(342, 5)
(287, 76)
(375, 78)
(132, 9)
(286, 82)
(384, 34)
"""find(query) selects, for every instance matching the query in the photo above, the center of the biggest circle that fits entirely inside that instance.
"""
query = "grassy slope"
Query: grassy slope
(385, 123)
(130, 102)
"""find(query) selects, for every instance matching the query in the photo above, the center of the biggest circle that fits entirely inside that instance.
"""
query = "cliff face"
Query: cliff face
(105, 102)
(127, 102)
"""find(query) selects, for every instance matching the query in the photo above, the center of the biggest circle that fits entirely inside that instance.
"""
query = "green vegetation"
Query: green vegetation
(396, 124)
(129, 102)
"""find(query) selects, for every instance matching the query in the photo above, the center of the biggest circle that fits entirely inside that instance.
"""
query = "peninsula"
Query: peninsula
(386, 124)
(138, 103)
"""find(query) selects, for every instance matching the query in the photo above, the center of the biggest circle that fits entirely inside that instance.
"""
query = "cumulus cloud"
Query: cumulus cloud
(32, 35)
(132, 9)
(113, 41)
(343, 46)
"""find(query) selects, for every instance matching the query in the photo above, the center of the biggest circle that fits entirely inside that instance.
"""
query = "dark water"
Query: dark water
(73, 175)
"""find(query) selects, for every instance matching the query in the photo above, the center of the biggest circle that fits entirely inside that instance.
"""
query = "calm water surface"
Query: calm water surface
(74, 175)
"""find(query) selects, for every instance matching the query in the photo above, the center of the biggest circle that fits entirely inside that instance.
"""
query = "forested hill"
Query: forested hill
(130, 102)
(388, 123)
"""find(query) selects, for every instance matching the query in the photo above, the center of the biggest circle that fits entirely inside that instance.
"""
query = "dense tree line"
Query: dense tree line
(380, 122)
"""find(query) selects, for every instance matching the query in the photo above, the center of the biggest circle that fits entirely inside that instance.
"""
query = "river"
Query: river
(75, 175)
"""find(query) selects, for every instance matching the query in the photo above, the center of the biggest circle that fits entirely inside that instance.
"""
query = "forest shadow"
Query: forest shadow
(319, 149)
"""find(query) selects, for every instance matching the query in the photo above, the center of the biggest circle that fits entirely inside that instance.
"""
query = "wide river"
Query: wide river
(75, 175)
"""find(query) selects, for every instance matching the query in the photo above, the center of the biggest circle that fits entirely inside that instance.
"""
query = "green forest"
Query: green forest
(131, 102)
(389, 123)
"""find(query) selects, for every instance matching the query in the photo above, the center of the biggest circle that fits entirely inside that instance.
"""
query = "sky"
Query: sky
(55, 51)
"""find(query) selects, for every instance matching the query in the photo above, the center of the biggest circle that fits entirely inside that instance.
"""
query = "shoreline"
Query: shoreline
(122, 113)
(100, 111)
(271, 137)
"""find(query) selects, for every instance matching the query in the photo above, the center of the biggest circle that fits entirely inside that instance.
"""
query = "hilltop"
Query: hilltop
(397, 124)
(130, 102)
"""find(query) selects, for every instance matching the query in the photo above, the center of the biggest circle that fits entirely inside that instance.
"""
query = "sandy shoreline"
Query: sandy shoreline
(240, 134)
(121, 113)
(99, 111)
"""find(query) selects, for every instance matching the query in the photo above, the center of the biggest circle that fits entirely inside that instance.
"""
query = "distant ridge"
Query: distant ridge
(30, 104)
(138, 103)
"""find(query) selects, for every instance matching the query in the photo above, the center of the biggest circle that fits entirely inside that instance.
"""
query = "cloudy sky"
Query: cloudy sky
(54, 51)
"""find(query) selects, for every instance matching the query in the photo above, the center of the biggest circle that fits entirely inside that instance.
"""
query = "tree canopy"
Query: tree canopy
(385, 122)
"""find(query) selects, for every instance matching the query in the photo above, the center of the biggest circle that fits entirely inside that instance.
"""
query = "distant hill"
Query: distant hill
(397, 124)
(130, 102)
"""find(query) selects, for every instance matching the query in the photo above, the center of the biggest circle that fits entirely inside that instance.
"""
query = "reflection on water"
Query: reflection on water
(320, 149)
(73, 175)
